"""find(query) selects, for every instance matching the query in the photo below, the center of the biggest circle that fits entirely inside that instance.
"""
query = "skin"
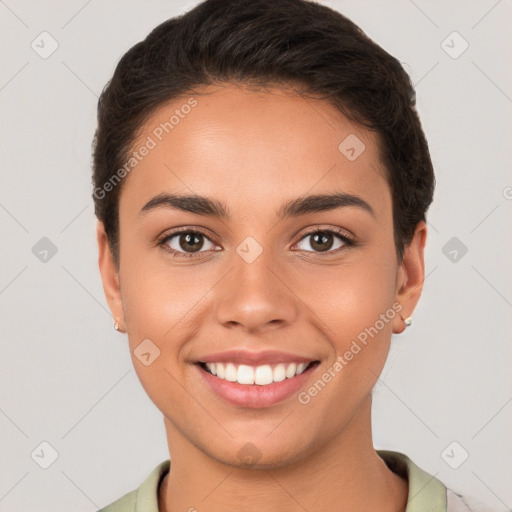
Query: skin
(254, 151)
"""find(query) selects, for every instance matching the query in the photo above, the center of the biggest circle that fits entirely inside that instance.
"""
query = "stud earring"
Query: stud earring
(407, 321)
(116, 325)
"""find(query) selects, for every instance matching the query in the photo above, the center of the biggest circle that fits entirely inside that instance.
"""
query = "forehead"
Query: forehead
(253, 148)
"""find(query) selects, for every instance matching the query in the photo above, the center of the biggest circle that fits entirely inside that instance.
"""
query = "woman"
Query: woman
(261, 182)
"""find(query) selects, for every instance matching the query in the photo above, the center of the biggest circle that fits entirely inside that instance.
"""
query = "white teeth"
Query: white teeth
(279, 373)
(263, 375)
(300, 368)
(212, 367)
(245, 374)
(221, 372)
(290, 370)
(231, 373)
(260, 375)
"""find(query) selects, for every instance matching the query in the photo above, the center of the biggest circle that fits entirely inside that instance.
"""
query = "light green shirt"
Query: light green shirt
(426, 493)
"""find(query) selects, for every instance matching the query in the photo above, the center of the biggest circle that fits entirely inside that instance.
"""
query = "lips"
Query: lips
(255, 379)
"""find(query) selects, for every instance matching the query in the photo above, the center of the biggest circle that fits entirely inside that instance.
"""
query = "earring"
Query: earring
(407, 321)
(116, 325)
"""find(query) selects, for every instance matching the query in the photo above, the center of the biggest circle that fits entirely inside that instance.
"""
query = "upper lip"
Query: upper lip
(241, 356)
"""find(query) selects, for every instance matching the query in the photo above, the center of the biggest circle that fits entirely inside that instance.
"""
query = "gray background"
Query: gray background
(66, 375)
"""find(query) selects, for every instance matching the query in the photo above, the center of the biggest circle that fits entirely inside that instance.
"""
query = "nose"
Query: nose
(255, 296)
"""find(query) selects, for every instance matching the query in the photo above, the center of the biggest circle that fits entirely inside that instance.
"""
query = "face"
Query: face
(255, 279)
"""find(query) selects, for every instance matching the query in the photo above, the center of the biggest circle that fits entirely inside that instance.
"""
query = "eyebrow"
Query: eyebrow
(304, 205)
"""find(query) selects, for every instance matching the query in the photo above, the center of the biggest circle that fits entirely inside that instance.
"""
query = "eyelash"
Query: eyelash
(162, 241)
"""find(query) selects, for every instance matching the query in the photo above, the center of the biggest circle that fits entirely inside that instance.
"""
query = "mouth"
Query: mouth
(255, 386)
(262, 375)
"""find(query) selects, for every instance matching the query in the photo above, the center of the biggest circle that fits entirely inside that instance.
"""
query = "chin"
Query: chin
(260, 455)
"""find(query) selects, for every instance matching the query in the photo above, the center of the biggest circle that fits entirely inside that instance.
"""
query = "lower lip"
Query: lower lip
(253, 395)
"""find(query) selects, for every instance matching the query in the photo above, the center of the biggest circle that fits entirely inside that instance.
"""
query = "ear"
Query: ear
(110, 277)
(410, 277)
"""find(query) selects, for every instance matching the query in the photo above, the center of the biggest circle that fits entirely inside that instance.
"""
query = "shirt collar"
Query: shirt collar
(426, 492)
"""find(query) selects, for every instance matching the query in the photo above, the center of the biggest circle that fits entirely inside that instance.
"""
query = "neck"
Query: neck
(345, 474)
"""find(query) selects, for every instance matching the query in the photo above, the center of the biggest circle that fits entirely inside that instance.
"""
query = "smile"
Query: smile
(262, 375)
(255, 386)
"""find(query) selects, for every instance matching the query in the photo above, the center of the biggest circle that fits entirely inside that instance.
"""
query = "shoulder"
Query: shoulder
(145, 497)
(426, 492)
(124, 504)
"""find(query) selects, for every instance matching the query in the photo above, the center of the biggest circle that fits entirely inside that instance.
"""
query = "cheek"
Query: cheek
(153, 293)
(161, 301)
(352, 296)
(355, 304)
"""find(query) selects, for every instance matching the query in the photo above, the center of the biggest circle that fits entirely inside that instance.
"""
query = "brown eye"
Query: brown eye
(187, 243)
(322, 241)
(325, 240)
(190, 242)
